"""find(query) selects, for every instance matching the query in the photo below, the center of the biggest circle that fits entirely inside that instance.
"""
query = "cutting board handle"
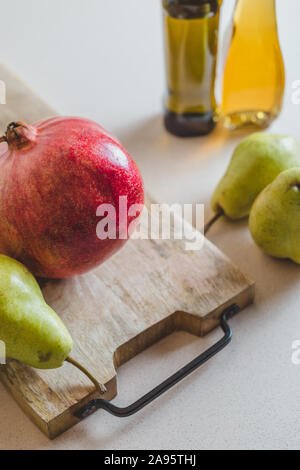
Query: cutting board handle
(98, 404)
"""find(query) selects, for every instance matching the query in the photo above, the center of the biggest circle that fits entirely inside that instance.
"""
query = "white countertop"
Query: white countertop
(104, 60)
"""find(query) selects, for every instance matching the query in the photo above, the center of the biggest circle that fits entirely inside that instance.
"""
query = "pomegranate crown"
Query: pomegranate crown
(19, 135)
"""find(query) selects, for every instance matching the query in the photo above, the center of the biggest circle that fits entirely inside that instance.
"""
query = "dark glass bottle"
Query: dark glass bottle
(191, 38)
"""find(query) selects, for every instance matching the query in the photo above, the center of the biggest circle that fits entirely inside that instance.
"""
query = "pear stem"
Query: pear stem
(99, 387)
(209, 224)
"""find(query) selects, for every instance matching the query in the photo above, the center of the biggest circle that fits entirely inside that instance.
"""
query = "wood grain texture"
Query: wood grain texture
(145, 292)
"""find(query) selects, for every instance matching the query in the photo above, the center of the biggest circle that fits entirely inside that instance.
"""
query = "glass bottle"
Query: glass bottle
(191, 38)
(254, 77)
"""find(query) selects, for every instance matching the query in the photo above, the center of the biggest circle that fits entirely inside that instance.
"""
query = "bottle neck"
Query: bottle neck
(264, 12)
(189, 9)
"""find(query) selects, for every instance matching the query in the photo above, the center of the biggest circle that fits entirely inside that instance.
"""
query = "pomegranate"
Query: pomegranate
(54, 175)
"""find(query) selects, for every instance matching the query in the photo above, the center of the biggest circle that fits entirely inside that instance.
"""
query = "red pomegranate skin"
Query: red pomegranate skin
(53, 177)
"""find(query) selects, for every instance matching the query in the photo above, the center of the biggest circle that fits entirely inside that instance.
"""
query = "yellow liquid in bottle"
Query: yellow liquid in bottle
(191, 40)
(191, 64)
(254, 78)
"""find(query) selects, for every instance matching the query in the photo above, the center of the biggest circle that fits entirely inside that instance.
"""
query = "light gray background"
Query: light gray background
(104, 60)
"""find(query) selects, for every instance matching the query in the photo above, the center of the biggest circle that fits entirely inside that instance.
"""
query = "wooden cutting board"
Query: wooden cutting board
(145, 292)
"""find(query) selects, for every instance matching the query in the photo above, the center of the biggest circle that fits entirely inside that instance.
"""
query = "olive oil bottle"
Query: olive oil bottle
(254, 77)
(191, 38)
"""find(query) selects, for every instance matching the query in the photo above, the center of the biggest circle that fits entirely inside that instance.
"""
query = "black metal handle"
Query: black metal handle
(98, 404)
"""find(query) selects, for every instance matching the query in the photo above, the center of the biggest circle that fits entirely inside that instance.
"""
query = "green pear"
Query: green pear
(275, 217)
(256, 162)
(30, 329)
